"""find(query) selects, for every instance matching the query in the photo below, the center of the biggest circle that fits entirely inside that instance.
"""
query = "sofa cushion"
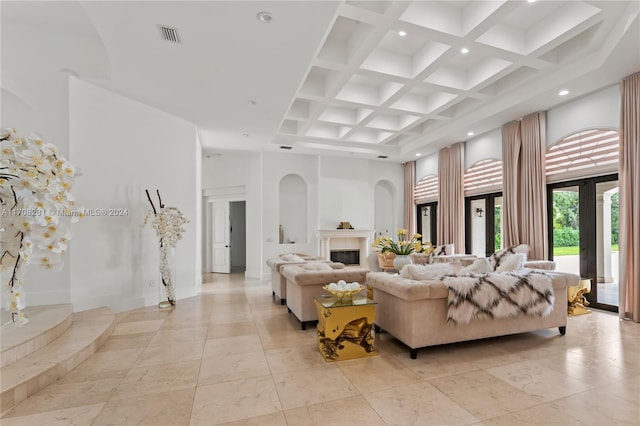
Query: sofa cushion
(316, 266)
(425, 272)
(421, 258)
(290, 257)
(515, 262)
(445, 249)
(479, 266)
(500, 256)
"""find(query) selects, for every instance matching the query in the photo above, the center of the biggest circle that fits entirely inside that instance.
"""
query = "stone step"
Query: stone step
(46, 323)
(20, 379)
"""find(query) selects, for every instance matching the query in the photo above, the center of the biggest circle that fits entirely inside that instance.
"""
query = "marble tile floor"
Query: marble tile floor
(234, 356)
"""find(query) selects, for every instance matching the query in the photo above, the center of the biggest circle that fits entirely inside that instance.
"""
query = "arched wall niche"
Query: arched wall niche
(293, 209)
(385, 197)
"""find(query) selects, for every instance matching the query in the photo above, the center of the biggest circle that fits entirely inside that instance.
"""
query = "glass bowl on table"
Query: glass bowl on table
(343, 292)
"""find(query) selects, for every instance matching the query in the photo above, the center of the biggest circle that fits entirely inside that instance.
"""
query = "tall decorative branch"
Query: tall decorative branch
(168, 224)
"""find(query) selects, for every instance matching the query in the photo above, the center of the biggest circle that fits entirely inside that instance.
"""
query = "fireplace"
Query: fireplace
(342, 241)
(348, 257)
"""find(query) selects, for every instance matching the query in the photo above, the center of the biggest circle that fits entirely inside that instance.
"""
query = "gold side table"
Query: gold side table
(577, 302)
(345, 327)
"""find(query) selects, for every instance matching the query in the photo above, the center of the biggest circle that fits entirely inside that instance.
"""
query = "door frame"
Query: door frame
(211, 195)
(587, 221)
(489, 222)
(434, 220)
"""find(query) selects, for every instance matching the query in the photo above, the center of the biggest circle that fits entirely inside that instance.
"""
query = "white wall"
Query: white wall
(35, 99)
(426, 166)
(338, 189)
(600, 109)
(235, 176)
(385, 196)
(274, 167)
(483, 147)
(124, 147)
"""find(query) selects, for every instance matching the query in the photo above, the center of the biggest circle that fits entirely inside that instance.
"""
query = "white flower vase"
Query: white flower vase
(15, 297)
(167, 275)
(400, 261)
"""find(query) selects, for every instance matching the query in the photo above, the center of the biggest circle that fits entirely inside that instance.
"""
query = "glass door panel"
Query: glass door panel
(497, 224)
(483, 224)
(478, 227)
(428, 222)
(566, 232)
(607, 203)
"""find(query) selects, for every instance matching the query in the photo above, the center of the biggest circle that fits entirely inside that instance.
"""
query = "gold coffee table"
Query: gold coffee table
(344, 327)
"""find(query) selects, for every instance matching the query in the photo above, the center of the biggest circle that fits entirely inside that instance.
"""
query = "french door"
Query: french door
(583, 234)
(483, 224)
(427, 222)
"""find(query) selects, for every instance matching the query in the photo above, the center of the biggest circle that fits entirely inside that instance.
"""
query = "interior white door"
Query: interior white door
(221, 239)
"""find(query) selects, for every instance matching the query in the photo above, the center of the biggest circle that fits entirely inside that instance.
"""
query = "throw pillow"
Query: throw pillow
(290, 257)
(444, 250)
(479, 266)
(419, 258)
(515, 262)
(316, 266)
(427, 272)
(500, 256)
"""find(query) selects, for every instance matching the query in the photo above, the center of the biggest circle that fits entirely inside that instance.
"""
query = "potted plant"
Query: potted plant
(397, 252)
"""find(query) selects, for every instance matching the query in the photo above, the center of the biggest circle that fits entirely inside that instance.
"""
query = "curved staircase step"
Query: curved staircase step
(20, 379)
(46, 323)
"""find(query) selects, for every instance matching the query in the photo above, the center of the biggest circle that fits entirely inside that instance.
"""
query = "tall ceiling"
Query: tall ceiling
(353, 78)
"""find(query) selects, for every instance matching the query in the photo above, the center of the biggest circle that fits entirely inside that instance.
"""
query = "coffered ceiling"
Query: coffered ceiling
(354, 78)
(405, 78)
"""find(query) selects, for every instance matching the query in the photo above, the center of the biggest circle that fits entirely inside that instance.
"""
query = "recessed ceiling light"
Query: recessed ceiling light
(464, 50)
(265, 17)
(470, 133)
(530, 1)
(418, 154)
(563, 92)
(251, 102)
(402, 33)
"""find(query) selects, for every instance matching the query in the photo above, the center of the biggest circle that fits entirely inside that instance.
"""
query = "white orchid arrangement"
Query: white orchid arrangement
(37, 206)
(168, 223)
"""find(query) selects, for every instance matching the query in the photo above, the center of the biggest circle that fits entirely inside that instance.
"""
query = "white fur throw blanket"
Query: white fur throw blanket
(498, 295)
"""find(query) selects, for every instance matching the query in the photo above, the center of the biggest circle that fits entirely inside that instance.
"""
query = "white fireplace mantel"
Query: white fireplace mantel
(363, 236)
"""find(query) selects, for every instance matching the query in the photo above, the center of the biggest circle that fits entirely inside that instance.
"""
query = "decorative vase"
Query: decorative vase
(385, 260)
(167, 274)
(400, 261)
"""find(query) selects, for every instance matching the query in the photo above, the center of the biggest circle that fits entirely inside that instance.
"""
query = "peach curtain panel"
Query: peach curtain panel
(629, 178)
(510, 186)
(524, 184)
(409, 197)
(533, 185)
(451, 196)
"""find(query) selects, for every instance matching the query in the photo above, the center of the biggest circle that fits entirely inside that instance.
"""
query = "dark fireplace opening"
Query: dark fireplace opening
(348, 257)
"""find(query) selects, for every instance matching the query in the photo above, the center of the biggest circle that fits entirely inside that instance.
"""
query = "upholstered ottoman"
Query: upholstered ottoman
(278, 282)
(304, 283)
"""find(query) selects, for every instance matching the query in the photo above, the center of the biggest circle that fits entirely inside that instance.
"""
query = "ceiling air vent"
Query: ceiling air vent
(169, 34)
(285, 147)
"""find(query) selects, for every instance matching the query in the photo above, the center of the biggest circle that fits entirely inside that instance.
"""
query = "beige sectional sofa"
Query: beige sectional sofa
(415, 312)
(278, 281)
(303, 284)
